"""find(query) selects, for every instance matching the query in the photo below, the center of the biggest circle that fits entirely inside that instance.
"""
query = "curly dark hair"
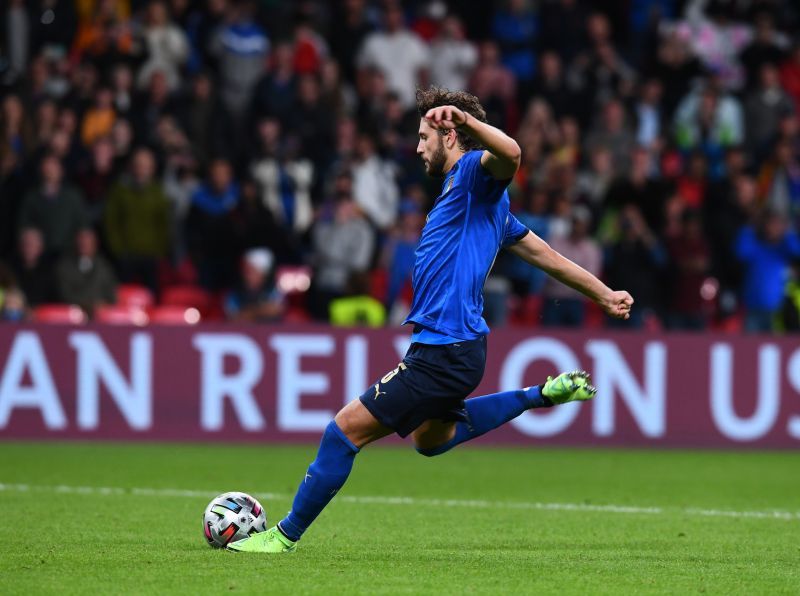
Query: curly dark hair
(433, 97)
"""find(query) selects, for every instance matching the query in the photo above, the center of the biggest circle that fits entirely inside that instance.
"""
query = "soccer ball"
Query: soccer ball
(232, 516)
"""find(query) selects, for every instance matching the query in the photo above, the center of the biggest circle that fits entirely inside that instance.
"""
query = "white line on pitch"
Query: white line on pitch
(413, 501)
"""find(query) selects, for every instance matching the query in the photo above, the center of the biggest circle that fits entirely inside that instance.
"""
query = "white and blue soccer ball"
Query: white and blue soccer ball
(232, 516)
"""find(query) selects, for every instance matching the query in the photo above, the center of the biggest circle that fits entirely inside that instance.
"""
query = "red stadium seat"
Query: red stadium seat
(59, 313)
(135, 295)
(118, 314)
(186, 296)
(172, 314)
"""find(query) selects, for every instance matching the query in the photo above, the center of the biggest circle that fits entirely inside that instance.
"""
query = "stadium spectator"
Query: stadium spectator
(209, 227)
(765, 106)
(275, 91)
(342, 245)
(284, 180)
(54, 208)
(96, 180)
(708, 120)
(206, 122)
(165, 45)
(256, 299)
(636, 260)
(398, 53)
(637, 187)
(551, 85)
(790, 75)
(563, 306)
(690, 259)
(136, 222)
(241, 48)
(398, 253)
(452, 55)
(766, 252)
(767, 47)
(99, 119)
(514, 27)
(255, 226)
(352, 26)
(84, 277)
(375, 188)
(612, 131)
(33, 273)
(779, 182)
(495, 85)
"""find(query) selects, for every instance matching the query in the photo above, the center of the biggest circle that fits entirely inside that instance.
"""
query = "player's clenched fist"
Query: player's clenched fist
(446, 117)
(618, 304)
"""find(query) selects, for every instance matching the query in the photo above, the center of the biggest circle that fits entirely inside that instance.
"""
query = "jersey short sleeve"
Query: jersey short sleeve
(514, 231)
(482, 184)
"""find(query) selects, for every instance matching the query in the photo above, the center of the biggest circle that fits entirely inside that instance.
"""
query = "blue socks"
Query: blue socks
(325, 476)
(490, 411)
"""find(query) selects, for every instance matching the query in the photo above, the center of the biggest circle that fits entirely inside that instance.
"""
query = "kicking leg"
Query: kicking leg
(487, 412)
(353, 428)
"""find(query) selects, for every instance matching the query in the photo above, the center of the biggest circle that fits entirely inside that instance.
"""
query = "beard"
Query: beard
(435, 166)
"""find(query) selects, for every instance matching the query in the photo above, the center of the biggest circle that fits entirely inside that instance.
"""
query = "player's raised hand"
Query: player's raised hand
(618, 304)
(446, 117)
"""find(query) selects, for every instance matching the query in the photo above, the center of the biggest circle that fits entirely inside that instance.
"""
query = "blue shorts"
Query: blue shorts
(430, 383)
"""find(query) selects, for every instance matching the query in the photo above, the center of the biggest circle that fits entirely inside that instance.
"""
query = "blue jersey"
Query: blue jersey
(468, 225)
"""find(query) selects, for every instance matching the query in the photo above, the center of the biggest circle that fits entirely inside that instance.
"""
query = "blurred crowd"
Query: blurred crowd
(262, 152)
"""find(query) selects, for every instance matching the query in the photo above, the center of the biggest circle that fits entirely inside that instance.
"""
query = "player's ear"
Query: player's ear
(451, 138)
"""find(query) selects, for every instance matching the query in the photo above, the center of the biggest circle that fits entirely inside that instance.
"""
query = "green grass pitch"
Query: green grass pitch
(474, 521)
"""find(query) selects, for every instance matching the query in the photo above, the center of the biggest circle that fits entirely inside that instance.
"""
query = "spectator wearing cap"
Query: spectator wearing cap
(84, 277)
(54, 208)
(256, 299)
(563, 306)
(137, 224)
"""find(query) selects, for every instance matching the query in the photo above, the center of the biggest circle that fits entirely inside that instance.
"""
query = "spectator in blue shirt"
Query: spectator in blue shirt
(766, 253)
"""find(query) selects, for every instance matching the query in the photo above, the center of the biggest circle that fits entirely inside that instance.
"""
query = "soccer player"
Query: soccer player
(425, 395)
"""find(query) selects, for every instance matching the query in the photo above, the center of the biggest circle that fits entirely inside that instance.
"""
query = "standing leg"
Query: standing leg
(343, 438)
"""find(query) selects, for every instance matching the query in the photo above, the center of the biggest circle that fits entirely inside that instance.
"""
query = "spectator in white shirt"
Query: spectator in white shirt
(399, 54)
(452, 56)
(375, 187)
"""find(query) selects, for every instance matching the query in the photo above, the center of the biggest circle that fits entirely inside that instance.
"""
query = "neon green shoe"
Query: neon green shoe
(571, 386)
(271, 541)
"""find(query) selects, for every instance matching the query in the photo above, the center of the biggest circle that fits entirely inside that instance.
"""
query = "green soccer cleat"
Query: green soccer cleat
(271, 541)
(571, 386)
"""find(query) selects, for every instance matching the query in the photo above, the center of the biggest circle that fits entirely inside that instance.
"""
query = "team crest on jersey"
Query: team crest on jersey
(449, 184)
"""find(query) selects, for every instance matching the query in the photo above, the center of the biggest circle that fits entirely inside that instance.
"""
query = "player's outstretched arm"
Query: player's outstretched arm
(502, 156)
(537, 252)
